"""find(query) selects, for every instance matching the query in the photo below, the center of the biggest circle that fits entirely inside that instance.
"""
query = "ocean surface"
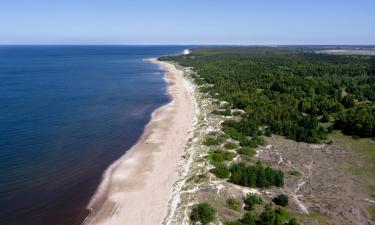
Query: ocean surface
(67, 113)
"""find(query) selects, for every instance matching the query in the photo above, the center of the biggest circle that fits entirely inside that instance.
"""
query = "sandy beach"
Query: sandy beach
(137, 188)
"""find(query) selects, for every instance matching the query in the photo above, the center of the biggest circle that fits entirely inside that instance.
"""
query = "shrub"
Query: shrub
(281, 200)
(209, 141)
(203, 212)
(221, 138)
(220, 171)
(233, 204)
(268, 132)
(294, 173)
(225, 112)
(232, 132)
(251, 200)
(269, 216)
(246, 151)
(293, 221)
(230, 145)
(252, 142)
(219, 156)
(233, 223)
(249, 218)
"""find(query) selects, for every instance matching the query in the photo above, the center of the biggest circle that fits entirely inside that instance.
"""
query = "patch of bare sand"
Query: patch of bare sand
(368, 52)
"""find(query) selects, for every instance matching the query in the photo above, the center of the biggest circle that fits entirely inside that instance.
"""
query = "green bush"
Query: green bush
(233, 223)
(270, 216)
(232, 132)
(251, 200)
(294, 173)
(281, 200)
(225, 112)
(249, 218)
(233, 204)
(203, 212)
(209, 141)
(220, 171)
(219, 156)
(230, 145)
(252, 142)
(267, 132)
(221, 138)
(246, 151)
(293, 221)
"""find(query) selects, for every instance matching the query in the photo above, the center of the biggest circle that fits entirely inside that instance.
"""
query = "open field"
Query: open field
(348, 52)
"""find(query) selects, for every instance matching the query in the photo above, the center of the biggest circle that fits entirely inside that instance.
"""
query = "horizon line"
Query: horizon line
(114, 44)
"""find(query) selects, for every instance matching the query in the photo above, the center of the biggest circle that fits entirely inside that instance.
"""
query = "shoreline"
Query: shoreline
(140, 187)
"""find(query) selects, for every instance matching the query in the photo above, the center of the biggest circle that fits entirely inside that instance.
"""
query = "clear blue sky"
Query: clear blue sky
(187, 22)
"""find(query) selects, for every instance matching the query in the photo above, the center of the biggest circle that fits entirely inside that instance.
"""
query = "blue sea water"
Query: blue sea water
(66, 113)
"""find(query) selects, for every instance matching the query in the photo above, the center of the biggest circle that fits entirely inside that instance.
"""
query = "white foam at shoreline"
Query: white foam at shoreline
(186, 52)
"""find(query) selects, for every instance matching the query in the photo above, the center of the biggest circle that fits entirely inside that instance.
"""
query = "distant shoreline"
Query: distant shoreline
(137, 188)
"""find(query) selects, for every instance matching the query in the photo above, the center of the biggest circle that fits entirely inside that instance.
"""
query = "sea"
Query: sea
(66, 114)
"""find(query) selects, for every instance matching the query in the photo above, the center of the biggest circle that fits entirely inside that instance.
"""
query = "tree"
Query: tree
(255, 175)
(287, 90)
(203, 212)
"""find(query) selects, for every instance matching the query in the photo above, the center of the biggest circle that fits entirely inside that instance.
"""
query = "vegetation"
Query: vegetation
(270, 216)
(220, 171)
(256, 175)
(233, 204)
(281, 200)
(290, 91)
(219, 156)
(251, 200)
(246, 151)
(203, 212)
(294, 173)
(293, 221)
(362, 126)
(364, 149)
(209, 141)
(225, 112)
(230, 145)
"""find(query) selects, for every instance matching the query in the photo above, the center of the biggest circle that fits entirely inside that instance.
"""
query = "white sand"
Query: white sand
(136, 189)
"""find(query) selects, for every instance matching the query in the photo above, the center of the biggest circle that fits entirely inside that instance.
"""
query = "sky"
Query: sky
(184, 22)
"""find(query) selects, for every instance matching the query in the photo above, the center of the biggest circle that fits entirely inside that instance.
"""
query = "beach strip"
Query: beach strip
(137, 188)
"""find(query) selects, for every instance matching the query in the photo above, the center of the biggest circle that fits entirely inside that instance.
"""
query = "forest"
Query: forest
(289, 91)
